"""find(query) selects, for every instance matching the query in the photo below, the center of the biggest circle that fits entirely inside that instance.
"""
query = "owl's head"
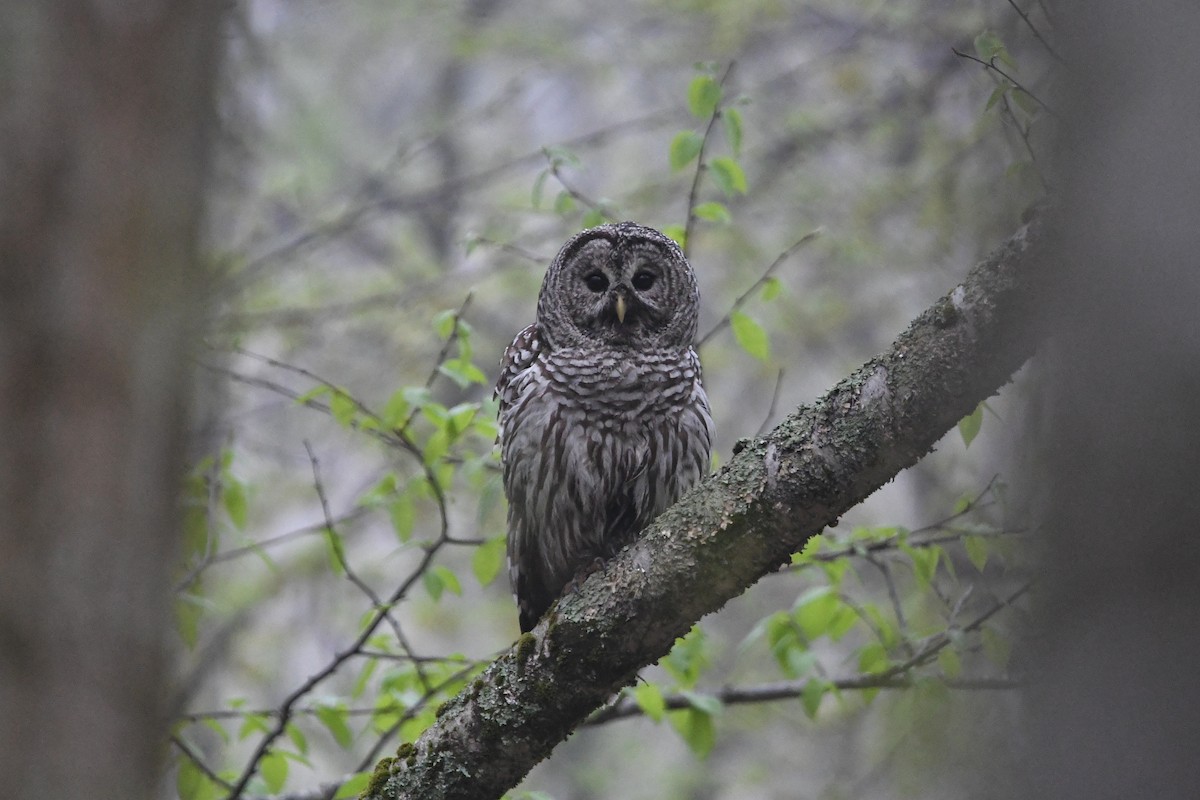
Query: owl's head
(620, 285)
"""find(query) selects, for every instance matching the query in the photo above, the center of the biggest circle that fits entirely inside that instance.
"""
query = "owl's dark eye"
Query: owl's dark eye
(643, 280)
(596, 282)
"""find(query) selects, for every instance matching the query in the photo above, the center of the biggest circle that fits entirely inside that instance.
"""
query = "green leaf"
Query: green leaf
(771, 288)
(418, 396)
(733, 129)
(334, 719)
(676, 233)
(539, 184)
(433, 584)
(443, 323)
(697, 729)
(440, 579)
(192, 784)
(968, 426)
(253, 723)
(342, 406)
(564, 204)
(274, 770)
(728, 175)
(234, 498)
(977, 550)
(750, 336)
(819, 610)
(949, 662)
(811, 696)
(487, 560)
(649, 698)
(593, 218)
(395, 411)
(704, 93)
(353, 786)
(988, 45)
(925, 561)
(688, 658)
(463, 373)
(437, 445)
(458, 418)
(703, 702)
(873, 659)
(684, 147)
(337, 553)
(313, 394)
(403, 515)
(713, 212)
(416, 725)
(298, 739)
(364, 676)
(997, 95)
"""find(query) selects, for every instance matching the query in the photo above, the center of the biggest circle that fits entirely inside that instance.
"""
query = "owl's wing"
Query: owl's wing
(516, 359)
(532, 595)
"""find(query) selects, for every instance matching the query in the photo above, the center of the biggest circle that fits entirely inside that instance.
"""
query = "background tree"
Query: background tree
(104, 134)
(1113, 712)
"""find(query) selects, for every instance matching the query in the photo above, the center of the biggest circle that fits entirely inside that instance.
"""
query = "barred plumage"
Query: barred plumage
(603, 418)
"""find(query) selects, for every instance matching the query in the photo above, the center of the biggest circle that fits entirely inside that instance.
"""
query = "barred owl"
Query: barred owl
(603, 419)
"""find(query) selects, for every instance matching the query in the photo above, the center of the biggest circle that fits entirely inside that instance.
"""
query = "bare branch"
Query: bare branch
(1036, 33)
(744, 296)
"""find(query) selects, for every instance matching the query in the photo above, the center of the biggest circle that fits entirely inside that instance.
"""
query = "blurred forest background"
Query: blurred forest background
(392, 179)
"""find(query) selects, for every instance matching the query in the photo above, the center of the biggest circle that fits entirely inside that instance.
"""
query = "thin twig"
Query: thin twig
(1036, 33)
(258, 547)
(595, 205)
(627, 707)
(701, 166)
(195, 758)
(991, 64)
(339, 553)
(744, 296)
(771, 408)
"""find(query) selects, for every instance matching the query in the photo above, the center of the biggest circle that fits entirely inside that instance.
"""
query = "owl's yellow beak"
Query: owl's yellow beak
(621, 309)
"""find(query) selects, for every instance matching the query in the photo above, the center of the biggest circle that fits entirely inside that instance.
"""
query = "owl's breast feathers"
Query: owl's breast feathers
(612, 384)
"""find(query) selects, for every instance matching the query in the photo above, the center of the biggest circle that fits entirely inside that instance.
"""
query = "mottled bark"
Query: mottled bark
(102, 153)
(739, 525)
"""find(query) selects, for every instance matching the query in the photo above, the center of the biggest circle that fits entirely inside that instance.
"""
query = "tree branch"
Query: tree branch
(737, 526)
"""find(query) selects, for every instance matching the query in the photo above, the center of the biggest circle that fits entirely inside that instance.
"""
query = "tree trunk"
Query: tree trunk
(103, 140)
(1118, 707)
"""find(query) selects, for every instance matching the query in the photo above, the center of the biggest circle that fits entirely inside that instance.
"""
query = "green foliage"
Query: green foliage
(968, 426)
(684, 149)
(988, 46)
(650, 699)
(728, 175)
(488, 559)
(353, 786)
(688, 658)
(750, 335)
(704, 94)
(336, 721)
